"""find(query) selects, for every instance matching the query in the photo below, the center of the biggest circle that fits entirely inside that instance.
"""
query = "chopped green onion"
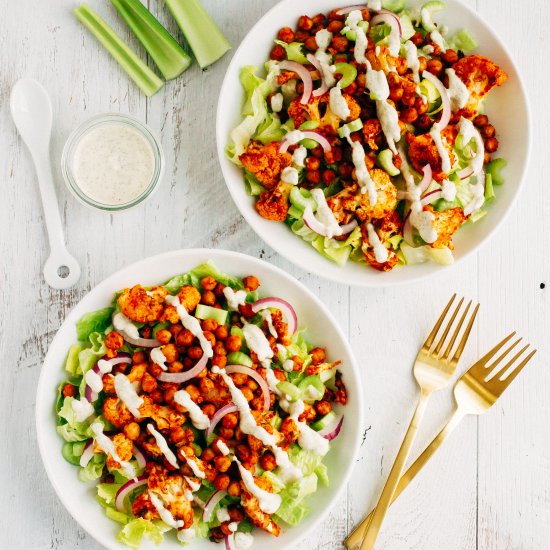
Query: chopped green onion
(136, 69)
(205, 38)
(168, 55)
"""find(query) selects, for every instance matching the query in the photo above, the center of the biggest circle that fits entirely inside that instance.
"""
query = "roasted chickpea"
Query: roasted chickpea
(486, 158)
(481, 120)
(69, 390)
(246, 311)
(177, 434)
(208, 298)
(242, 452)
(323, 407)
(176, 366)
(209, 336)
(208, 409)
(257, 403)
(185, 338)
(170, 351)
(233, 343)
(312, 163)
(408, 100)
(301, 36)
(169, 394)
(450, 56)
(417, 39)
(148, 383)
(225, 528)
(435, 66)
(318, 355)
(226, 433)
(222, 463)
(219, 361)
(305, 23)
(311, 44)
(221, 333)
(492, 145)
(236, 512)
(268, 462)
(195, 352)
(289, 429)
(421, 106)
(234, 489)
(339, 43)
(208, 283)
(313, 176)
(132, 430)
(424, 122)
(208, 454)
(335, 26)
(230, 420)
(219, 349)
(164, 336)
(211, 473)
(423, 64)
(193, 392)
(138, 357)
(222, 482)
(248, 394)
(328, 176)
(251, 283)
(286, 34)
(488, 131)
(396, 93)
(209, 324)
(157, 396)
(278, 53)
(409, 115)
(187, 362)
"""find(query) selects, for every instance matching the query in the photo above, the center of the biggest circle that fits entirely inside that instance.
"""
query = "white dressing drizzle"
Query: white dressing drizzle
(299, 157)
(165, 514)
(448, 190)
(412, 59)
(468, 132)
(380, 251)
(295, 136)
(277, 102)
(198, 418)
(338, 104)
(233, 526)
(438, 40)
(268, 502)
(324, 214)
(191, 324)
(123, 324)
(93, 379)
(243, 541)
(158, 358)
(266, 314)
(234, 298)
(290, 175)
(163, 446)
(435, 132)
(192, 463)
(127, 394)
(109, 447)
(222, 447)
(458, 91)
(223, 514)
(323, 39)
(258, 343)
(82, 409)
(288, 365)
(187, 535)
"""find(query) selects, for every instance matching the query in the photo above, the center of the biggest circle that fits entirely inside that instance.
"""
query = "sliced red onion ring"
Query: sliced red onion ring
(331, 432)
(181, 377)
(211, 504)
(315, 225)
(284, 306)
(426, 180)
(388, 17)
(465, 173)
(126, 489)
(141, 342)
(431, 197)
(445, 100)
(408, 230)
(349, 9)
(241, 369)
(87, 454)
(229, 542)
(142, 462)
(304, 74)
(323, 89)
(308, 134)
(218, 416)
(122, 357)
(349, 227)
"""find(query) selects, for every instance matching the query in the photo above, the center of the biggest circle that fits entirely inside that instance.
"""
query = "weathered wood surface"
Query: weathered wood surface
(488, 488)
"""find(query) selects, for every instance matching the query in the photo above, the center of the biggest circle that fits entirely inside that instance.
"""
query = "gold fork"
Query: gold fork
(475, 393)
(433, 370)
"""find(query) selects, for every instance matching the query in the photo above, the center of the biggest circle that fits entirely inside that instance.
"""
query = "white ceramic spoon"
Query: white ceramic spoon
(31, 111)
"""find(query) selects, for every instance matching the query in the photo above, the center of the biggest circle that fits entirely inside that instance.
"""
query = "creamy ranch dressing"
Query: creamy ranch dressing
(191, 324)
(234, 299)
(164, 514)
(380, 251)
(338, 104)
(192, 463)
(290, 175)
(457, 90)
(158, 358)
(82, 409)
(109, 447)
(93, 379)
(299, 157)
(438, 40)
(113, 163)
(266, 314)
(288, 365)
(435, 132)
(198, 418)
(268, 502)
(412, 59)
(223, 514)
(126, 392)
(324, 214)
(163, 446)
(323, 39)
(468, 132)
(277, 102)
(258, 343)
(243, 541)
(123, 324)
(187, 535)
(448, 190)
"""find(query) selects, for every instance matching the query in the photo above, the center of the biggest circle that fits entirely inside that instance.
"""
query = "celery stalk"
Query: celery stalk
(168, 55)
(136, 69)
(205, 38)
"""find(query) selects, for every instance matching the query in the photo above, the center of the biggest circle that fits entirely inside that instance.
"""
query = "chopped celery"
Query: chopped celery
(168, 55)
(407, 27)
(348, 72)
(300, 198)
(294, 51)
(463, 41)
(353, 126)
(295, 213)
(239, 358)
(494, 169)
(309, 143)
(207, 312)
(309, 125)
(327, 420)
(489, 191)
(427, 12)
(394, 5)
(312, 388)
(136, 69)
(385, 158)
(205, 38)
(289, 390)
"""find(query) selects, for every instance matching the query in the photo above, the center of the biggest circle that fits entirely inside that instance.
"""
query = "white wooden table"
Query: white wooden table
(488, 488)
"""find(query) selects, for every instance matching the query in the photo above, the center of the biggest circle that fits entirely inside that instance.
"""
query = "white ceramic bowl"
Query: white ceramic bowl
(321, 328)
(507, 108)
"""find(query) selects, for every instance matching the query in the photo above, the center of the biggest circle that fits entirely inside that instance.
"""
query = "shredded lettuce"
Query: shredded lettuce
(194, 277)
(94, 469)
(293, 507)
(70, 429)
(95, 321)
(134, 531)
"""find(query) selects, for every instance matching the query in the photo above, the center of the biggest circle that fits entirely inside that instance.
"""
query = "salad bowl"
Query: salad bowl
(507, 107)
(313, 317)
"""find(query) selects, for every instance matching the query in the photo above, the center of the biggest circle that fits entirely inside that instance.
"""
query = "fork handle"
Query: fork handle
(395, 474)
(357, 535)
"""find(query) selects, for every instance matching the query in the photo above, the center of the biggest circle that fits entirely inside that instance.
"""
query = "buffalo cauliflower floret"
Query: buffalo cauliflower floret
(423, 150)
(446, 224)
(480, 75)
(252, 508)
(141, 305)
(265, 162)
(189, 297)
(371, 130)
(116, 412)
(164, 416)
(387, 228)
(273, 205)
(124, 449)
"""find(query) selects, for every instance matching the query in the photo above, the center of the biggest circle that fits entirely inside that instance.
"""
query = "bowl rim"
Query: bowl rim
(339, 275)
(218, 255)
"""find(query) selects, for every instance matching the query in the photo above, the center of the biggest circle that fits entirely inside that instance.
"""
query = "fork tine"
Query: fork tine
(492, 367)
(478, 369)
(430, 340)
(465, 336)
(510, 378)
(443, 337)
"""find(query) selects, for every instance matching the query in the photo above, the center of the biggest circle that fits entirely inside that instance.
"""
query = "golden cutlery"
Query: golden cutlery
(475, 393)
(433, 369)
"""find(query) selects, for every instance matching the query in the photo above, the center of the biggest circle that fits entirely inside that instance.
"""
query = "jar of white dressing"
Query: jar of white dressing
(112, 162)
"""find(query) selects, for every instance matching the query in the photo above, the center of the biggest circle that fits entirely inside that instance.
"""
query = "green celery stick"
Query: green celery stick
(137, 70)
(205, 38)
(168, 55)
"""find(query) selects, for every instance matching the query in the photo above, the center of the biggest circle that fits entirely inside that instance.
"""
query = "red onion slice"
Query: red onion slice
(315, 225)
(241, 369)
(220, 413)
(308, 134)
(349, 227)
(431, 197)
(426, 180)
(388, 17)
(408, 230)
(181, 377)
(465, 173)
(126, 489)
(90, 394)
(445, 100)
(323, 89)
(87, 454)
(229, 542)
(331, 432)
(211, 504)
(141, 342)
(286, 309)
(142, 462)
(304, 74)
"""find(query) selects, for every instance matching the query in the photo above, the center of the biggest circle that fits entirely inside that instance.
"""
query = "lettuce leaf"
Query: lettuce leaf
(134, 531)
(194, 277)
(95, 321)
(293, 509)
(94, 468)
(69, 428)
